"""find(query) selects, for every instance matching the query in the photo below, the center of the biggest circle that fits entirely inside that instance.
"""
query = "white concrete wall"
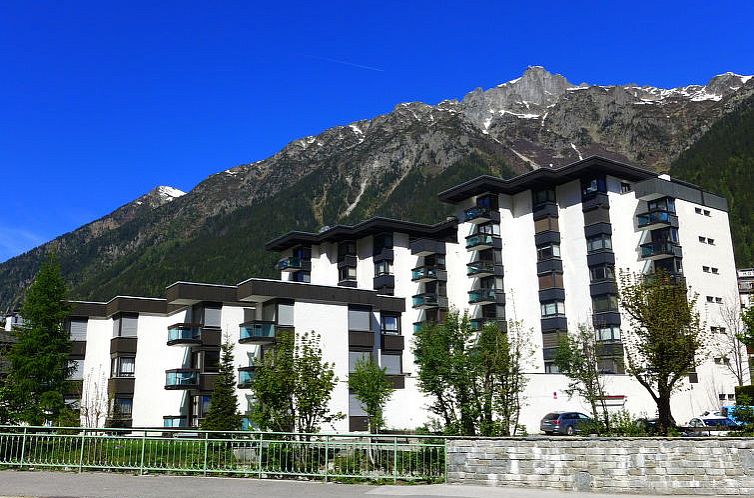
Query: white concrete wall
(96, 371)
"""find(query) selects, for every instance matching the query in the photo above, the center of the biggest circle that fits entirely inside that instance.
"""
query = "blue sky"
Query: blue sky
(102, 101)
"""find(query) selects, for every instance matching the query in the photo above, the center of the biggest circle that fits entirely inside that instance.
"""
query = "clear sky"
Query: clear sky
(102, 101)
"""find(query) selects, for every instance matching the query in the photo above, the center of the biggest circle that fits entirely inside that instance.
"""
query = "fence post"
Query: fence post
(23, 447)
(143, 449)
(259, 455)
(395, 459)
(206, 448)
(81, 453)
(446, 458)
(327, 455)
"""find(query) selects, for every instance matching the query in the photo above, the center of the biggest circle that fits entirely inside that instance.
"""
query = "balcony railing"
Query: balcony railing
(246, 376)
(479, 323)
(290, 264)
(427, 274)
(479, 241)
(482, 296)
(652, 218)
(656, 250)
(182, 378)
(480, 268)
(477, 214)
(257, 331)
(184, 333)
(429, 300)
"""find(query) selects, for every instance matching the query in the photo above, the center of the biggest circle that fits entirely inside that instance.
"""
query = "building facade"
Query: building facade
(543, 249)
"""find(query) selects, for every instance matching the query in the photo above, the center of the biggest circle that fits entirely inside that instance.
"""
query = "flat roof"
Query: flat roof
(445, 230)
(543, 178)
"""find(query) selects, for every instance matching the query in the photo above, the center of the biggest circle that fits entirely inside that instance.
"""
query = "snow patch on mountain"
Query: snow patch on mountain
(169, 193)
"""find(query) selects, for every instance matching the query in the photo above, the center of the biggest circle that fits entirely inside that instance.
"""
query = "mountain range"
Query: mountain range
(394, 165)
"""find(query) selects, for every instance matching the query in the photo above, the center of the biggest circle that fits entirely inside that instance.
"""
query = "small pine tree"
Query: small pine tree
(223, 412)
(39, 365)
(369, 383)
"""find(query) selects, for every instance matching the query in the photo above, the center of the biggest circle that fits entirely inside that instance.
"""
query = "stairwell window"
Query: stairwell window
(552, 308)
(608, 334)
(123, 366)
(602, 273)
(383, 268)
(601, 242)
(390, 324)
(548, 251)
(605, 303)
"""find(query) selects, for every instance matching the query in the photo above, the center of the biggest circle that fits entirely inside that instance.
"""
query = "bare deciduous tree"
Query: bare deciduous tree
(728, 344)
(94, 399)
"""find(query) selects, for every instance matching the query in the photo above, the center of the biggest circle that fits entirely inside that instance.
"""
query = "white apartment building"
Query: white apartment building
(543, 249)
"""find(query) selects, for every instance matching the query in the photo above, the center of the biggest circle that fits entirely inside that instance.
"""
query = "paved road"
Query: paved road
(103, 485)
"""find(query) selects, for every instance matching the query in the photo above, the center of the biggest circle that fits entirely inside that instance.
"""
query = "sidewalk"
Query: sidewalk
(32, 484)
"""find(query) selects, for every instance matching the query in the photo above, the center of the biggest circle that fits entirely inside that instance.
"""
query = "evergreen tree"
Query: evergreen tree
(223, 412)
(39, 365)
(369, 383)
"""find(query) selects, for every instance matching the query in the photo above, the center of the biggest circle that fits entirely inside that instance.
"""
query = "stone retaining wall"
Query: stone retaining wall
(704, 466)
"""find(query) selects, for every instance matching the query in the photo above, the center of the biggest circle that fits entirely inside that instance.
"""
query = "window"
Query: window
(546, 224)
(705, 269)
(301, 276)
(717, 330)
(552, 308)
(608, 334)
(662, 204)
(77, 328)
(716, 271)
(698, 210)
(625, 187)
(359, 319)
(212, 316)
(551, 280)
(355, 356)
(383, 268)
(548, 251)
(605, 303)
(722, 361)
(355, 408)
(610, 365)
(601, 273)
(77, 372)
(347, 273)
(710, 299)
(347, 248)
(707, 212)
(382, 241)
(123, 407)
(390, 324)
(591, 186)
(665, 235)
(211, 362)
(718, 300)
(123, 366)
(489, 229)
(703, 240)
(540, 197)
(551, 367)
(710, 241)
(285, 314)
(392, 364)
(598, 243)
(487, 202)
(125, 325)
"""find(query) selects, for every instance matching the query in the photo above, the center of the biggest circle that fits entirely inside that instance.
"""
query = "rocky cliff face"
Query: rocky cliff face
(392, 164)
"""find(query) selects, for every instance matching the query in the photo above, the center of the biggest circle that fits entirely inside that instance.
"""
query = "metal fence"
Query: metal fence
(253, 454)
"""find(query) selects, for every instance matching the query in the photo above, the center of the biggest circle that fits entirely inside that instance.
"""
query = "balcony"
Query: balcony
(182, 378)
(181, 334)
(293, 264)
(479, 323)
(246, 376)
(429, 300)
(656, 219)
(480, 268)
(427, 247)
(660, 250)
(257, 332)
(478, 214)
(428, 274)
(481, 241)
(483, 296)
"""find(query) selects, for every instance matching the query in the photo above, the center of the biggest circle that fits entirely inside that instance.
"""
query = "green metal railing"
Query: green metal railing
(254, 454)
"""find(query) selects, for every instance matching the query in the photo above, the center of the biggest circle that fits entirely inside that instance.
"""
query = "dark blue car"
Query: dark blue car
(563, 423)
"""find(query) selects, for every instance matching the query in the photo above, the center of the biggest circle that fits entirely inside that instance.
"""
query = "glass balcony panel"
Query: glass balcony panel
(475, 213)
(424, 273)
(425, 300)
(290, 264)
(482, 295)
(182, 378)
(477, 267)
(479, 240)
(257, 331)
(245, 377)
(657, 249)
(184, 333)
(653, 217)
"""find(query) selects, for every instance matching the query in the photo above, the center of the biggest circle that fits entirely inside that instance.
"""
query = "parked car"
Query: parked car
(563, 423)
(722, 425)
